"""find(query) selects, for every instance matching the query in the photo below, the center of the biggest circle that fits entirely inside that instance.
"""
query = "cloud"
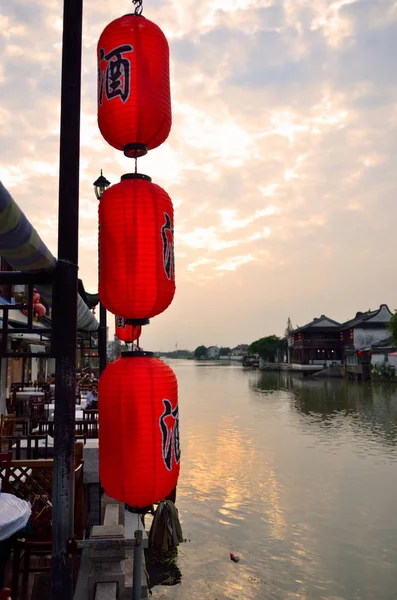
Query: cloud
(280, 163)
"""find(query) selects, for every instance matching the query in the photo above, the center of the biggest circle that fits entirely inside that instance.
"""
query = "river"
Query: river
(297, 476)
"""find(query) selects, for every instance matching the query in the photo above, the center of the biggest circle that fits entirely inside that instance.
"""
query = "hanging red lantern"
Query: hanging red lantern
(136, 241)
(39, 309)
(139, 452)
(127, 333)
(36, 297)
(134, 101)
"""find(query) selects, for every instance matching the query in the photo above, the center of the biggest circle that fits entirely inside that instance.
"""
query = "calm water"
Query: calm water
(297, 476)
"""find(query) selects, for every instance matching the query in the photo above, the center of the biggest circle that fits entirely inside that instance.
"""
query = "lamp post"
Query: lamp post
(100, 186)
(64, 291)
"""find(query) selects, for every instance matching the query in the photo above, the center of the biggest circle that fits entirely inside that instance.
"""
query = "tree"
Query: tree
(225, 351)
(289, 328)
(266, 347)
(392, 327)
(200, 352)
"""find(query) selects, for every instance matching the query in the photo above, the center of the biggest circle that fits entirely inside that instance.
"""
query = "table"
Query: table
(14, 515)
(50, 409)
(25, 393)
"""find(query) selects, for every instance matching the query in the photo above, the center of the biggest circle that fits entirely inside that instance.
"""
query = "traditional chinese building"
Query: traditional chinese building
(315, 345)
(324, 342)
(360, 336)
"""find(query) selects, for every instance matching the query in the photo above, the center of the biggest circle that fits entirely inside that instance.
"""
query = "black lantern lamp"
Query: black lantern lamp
(100, 185)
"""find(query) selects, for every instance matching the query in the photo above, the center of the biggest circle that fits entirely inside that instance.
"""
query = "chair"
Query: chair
(10, 405)
(33, 481)
(89, 414)
(5, 468)
(46, 427)
(35, 398)
(7, 424)
(21, 423)
(30, 447)
(36, 412)
(21, 404)
(90, 428)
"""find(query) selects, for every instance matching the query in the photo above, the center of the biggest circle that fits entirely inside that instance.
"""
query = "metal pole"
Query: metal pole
(65, 302)
(102, 339)
(137, 569)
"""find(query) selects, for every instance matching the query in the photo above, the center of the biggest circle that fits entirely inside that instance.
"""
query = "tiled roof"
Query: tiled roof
(361, 317)
(315, 322)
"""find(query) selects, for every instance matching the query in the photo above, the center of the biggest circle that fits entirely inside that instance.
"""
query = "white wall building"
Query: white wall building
(369, 328)
(213, 352)
(240, 350)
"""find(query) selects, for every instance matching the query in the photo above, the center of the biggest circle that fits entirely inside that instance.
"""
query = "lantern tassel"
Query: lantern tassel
(138, 6)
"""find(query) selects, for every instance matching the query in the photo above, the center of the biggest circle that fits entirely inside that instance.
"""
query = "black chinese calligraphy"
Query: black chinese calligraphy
(114, 81)
(120, 322)
(167, 235)
(169, 427)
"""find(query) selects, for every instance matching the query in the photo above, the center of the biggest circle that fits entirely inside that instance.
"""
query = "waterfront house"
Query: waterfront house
(315, 345)
(366, 329)
(240, 350)
(363, 338)
(324, 342)
(213, 352)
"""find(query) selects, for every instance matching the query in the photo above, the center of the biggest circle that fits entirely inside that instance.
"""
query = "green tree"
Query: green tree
(266, 347)
(200, 352)
(225, 351)
(289, 327)
(392, 327)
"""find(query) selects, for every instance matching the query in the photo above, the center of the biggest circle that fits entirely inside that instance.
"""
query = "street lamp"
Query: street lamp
(100, 186)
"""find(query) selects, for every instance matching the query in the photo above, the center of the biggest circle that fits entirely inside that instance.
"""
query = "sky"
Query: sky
(281, 162)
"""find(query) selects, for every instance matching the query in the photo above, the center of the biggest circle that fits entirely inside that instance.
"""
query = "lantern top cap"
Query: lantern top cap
(137, 354)
(136, 176)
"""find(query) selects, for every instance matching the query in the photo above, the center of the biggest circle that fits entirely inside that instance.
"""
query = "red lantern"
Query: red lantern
(36, 297)
(127, 333)
(136, 221)
(39, 309)
(134, 102)
(139, 452)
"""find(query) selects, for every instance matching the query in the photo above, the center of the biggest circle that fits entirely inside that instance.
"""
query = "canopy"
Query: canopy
(23, 249)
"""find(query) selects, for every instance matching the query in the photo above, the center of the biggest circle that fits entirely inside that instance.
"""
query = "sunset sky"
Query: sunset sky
(281, 163)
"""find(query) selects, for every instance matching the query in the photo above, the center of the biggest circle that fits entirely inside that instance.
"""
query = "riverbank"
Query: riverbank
(336, 372)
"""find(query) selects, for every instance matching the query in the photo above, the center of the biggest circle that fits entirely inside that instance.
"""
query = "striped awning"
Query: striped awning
(21, 246)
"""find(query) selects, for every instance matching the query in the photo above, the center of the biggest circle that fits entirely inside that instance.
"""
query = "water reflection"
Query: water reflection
(295, 475)
(371, 410)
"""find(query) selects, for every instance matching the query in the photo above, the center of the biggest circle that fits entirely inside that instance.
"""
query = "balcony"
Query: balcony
(323, 343)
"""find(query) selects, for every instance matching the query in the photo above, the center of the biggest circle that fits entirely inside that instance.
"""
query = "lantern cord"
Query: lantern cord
(136, 165)
(138, 6)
